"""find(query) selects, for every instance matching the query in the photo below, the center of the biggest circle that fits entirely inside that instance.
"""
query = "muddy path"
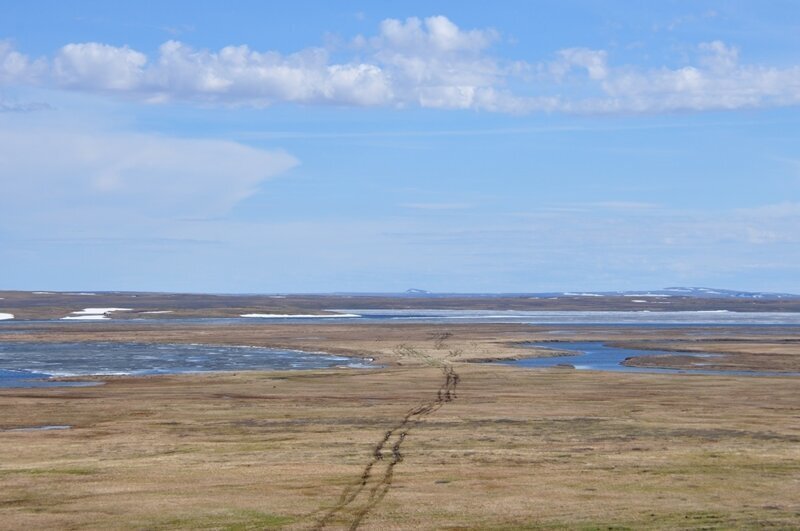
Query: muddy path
(359, 498)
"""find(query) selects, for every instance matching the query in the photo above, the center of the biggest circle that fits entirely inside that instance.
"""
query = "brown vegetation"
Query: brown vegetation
(392, 448)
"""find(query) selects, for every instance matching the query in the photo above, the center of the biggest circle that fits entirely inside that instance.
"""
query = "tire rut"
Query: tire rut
(361, 497)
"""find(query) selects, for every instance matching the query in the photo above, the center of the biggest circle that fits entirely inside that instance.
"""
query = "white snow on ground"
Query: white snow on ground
(6, 316)
(97, 314)
(42, 292)
(297, 315)
(100, 311)
(159, 311)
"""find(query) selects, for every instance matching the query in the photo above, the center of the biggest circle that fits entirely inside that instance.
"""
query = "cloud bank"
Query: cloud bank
(429, 63)
(96, 175)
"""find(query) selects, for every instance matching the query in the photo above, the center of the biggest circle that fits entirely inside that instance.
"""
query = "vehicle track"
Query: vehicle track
(361, 497)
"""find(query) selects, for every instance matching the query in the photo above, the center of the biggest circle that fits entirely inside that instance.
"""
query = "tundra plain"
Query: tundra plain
(435, 438)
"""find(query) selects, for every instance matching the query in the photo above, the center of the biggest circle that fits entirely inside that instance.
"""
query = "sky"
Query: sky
(365, 146)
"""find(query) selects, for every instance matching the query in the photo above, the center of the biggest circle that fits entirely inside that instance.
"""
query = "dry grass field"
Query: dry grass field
(426, 442)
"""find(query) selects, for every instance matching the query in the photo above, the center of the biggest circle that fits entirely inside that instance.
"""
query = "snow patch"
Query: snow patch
(297, 315)
(100, 311)
(94, 314)
(6, 316)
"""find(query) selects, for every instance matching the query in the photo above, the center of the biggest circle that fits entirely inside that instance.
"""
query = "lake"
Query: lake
(599, 356)
(28, 364)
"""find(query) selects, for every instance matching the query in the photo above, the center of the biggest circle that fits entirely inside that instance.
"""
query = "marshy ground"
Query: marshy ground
(429, 441)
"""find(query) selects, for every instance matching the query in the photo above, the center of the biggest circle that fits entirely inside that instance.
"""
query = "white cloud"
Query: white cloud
(593, 61)
(433, 35)
(718, 82)
(237, 74)
(80, 174)
(427, 62)
(17, 68)
(98, 66)
(719, 56)
(360, 84)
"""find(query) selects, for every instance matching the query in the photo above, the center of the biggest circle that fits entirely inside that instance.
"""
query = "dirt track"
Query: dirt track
(358, 499)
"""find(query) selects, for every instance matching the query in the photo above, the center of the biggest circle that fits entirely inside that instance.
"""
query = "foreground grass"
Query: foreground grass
(515, 449)
(224, 520)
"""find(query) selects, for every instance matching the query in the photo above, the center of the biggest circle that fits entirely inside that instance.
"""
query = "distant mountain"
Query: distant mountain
(665, 293)
(715, 293)
(692, 292)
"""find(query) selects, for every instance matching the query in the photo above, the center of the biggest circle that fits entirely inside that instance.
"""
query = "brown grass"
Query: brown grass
(511, 449)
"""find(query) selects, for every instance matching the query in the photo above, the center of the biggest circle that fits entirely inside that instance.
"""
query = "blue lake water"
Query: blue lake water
(598, 356)
(608, 318)
(28, 364)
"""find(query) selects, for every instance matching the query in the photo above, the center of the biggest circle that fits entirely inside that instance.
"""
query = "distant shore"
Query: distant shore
(26, 305)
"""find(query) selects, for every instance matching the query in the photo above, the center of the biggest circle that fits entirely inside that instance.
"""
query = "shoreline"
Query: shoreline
(408, 356)
(408, 343)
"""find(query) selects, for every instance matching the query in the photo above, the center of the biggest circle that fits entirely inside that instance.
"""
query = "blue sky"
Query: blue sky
(376, 146)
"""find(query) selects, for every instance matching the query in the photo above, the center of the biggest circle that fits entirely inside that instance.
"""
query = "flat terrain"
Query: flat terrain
(429, 441)
(55, 305)
(512, 449)
(775, 349)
